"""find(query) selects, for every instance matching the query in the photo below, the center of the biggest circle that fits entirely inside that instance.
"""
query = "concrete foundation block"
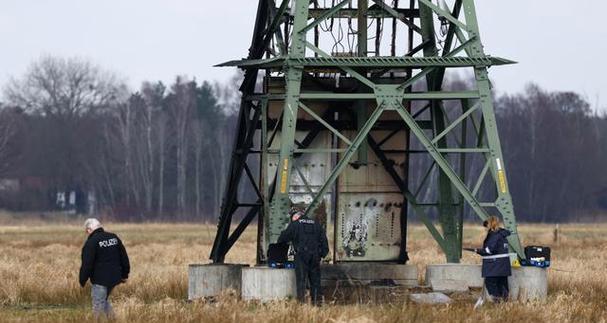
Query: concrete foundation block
(268, 284)
(369, 274)
(449, 285)
(528, 283)
(470, 275)
(212, 279)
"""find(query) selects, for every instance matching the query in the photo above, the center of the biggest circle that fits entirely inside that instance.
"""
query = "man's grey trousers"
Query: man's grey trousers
(101, 303)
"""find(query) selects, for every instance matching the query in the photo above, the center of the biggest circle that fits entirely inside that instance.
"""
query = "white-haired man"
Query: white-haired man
(105, 262)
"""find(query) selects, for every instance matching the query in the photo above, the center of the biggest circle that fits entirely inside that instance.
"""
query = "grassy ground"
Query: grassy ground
(39, 266)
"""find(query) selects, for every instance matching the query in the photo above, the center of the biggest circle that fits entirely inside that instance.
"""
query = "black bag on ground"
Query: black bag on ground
(537, 252)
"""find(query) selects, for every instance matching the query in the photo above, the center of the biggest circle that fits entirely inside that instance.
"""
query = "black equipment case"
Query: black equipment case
(537, 252)
(278, 255)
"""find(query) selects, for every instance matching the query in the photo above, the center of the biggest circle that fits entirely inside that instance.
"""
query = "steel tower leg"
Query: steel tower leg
(281, 203)
(495, 155)
(446, 209)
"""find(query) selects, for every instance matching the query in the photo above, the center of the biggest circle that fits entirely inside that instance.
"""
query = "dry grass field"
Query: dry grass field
(39, 266)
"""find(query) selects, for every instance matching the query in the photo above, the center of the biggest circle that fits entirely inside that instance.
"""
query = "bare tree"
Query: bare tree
(228, 102)
(126, 130)
(65, 87)
(153, 95)
(197, 147)
(182, 103)
(8, 131)
(63, 98)
(161, 129)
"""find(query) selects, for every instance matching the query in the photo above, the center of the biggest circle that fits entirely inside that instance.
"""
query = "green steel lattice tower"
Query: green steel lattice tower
(338, 97)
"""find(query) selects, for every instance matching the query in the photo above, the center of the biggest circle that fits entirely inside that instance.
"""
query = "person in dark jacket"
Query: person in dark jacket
(309, 241)
(496, 260)
(105, 262)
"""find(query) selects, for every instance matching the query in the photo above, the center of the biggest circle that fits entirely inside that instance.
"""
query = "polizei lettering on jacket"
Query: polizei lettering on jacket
(108, 243)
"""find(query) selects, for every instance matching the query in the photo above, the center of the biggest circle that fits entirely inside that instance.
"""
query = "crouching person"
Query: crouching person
(106, 263)
(496, 260)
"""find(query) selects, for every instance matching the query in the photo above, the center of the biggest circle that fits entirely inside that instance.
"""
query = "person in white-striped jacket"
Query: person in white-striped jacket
(496, 259)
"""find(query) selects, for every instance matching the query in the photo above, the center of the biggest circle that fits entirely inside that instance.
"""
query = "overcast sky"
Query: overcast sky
(559, 44)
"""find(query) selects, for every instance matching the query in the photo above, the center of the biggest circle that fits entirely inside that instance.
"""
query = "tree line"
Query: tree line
(555, 146)
(72, 133)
